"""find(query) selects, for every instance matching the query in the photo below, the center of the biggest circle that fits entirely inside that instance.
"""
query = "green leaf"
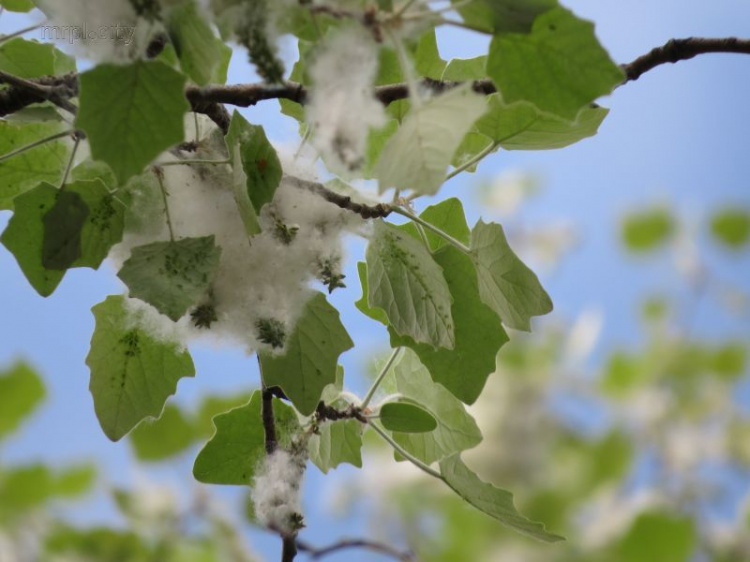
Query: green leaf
(105, 223)
(560, 66)
(336, 443)
(18, 5)
(521, 126)
(464, 369)
(376, 141)
(427, 57)
(506, 284)
(24, 237)
(44, 163)
(449, 217)
(171, 276)
(131, 113)
(238, 445)
(198, 49)
(132, 374)
(90, 170)
(405, 282)
(259, 160)
(503, 15)
(21, 392)
(63, 223)
(417, 155)
(31, 59)
(456, 430)
(463, 70)
(377, 314)
(495, 502)
(658, 537)
(731, 227)
(212, 406)
(406, 418)
(164, 438)
(241, 197)
(310, 357)
(471, 145)
(646, 230)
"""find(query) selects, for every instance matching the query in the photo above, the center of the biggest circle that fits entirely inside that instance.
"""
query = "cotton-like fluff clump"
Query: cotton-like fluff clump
(276, 490)
(101, 30)
(342, 107)
(259, 279)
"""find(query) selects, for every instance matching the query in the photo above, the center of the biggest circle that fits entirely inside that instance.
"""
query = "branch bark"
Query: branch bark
(317, 553)
(676, 50)
(209, 100)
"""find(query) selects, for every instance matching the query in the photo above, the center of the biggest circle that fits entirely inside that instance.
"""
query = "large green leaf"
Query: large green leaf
(479, 332)
(171, 276)
(310, 357)
(456, 430)
(503, 15)
(44, 163)
(104, 225)
(199, 50)
(405, 282)
(21, 391)
(560, 66)
(506, 284)
(521, 126)
(493, 501)
(406, 417)
(31, 59)
(235, 451)
(131, 113)
(162, 439)
(464, 369)
(259, 160)
(427, 57)
(132, 374)
(462, 70)
(377, 314)
(24, 237)
(417, 155)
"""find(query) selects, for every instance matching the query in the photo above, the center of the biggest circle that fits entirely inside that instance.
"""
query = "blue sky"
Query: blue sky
(678, 136)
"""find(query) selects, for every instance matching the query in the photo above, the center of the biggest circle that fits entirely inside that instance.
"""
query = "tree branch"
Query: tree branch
(317, 553)
(676, 50)
(381, 210)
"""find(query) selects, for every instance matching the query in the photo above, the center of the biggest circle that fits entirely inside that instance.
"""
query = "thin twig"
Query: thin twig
(70, 162)
(345, 544)
(404, 453)
(676, 50)
(381, 210)
(20, 32)
(444, 235)
(159, 173)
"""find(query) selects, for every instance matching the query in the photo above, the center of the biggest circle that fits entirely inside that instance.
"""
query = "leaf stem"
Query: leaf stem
(444, 235)
(405, 6)
(464, 25)
(475, 160)
(383, 372)
(408, 456)
(160, 178)
(70, 162)
(34, 144)
(20, 32)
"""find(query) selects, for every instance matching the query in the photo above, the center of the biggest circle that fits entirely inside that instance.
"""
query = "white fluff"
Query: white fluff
(342, 107)
(276, 490)
(258, 278)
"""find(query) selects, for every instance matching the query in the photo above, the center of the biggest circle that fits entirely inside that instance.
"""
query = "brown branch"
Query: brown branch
(317, 553)
(329, 413)
(381, 210)
(676, 50)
